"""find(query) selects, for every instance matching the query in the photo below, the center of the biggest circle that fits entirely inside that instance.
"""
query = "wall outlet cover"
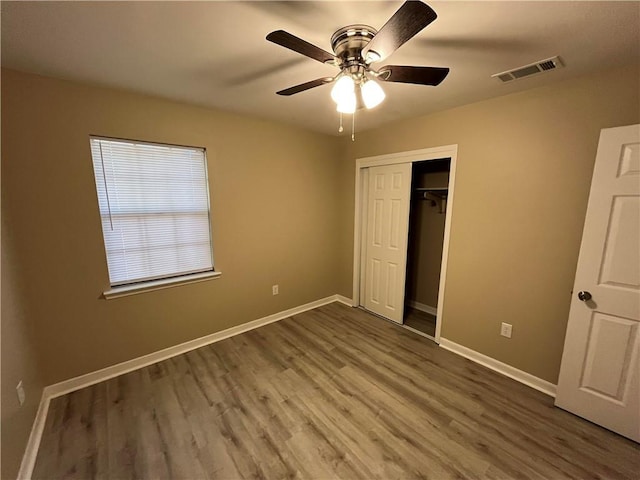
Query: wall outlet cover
(505, 330)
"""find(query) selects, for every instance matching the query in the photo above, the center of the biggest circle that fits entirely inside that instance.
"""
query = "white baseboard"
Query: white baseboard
(92, 378)
(345, 300)
(76, 383)
(423, 308)
(31, 451)
(496, 365)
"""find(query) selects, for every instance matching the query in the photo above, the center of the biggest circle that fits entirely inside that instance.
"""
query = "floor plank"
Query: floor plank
(330, 393)
(421, 321)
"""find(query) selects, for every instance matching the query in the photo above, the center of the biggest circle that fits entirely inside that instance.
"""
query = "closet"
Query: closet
(428, 206)
(404, 203)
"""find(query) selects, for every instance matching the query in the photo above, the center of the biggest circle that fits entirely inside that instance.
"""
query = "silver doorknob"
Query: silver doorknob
(584, 296)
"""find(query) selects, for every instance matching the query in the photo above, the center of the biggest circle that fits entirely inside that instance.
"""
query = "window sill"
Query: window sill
(127, 290)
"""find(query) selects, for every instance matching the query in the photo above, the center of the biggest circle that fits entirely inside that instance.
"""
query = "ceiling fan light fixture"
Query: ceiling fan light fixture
(343, 89)
(347, 104)
(372, 94)
(357, 46)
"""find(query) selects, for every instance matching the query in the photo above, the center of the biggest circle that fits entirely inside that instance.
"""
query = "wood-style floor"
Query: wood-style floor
(421, 321)
(330, 393)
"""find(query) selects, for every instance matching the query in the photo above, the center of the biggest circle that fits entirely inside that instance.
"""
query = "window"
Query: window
(154, 206)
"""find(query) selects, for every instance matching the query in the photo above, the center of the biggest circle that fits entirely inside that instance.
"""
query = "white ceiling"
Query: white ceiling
(215, 53)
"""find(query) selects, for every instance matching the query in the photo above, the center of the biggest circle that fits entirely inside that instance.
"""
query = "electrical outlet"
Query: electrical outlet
(20, 392)
(275, 290)
(505, 330)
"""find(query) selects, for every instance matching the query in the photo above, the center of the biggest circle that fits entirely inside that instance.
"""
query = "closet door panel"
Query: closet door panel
(386, 240)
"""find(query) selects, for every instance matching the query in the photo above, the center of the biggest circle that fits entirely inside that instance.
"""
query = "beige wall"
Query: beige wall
(273, 221)
(524, 168)
(19, 360)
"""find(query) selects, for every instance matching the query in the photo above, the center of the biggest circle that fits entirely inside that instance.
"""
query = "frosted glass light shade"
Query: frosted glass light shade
(372, 94)
(347, 104)
(343, 89)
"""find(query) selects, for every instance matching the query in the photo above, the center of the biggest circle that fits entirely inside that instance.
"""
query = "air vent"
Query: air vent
(532, 69)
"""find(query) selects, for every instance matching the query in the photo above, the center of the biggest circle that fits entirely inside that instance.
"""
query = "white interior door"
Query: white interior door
(389, 193)
(599, 376)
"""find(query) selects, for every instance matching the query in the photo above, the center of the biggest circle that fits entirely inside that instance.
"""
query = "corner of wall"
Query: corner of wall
(19, 362)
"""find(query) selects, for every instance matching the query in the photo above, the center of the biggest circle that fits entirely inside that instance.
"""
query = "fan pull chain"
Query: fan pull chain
(340, 129)
(353, 126)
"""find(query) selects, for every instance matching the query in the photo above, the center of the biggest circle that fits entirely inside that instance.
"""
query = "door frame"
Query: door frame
(412, 156)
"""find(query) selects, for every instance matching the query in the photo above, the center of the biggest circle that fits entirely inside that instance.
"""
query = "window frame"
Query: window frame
(126, 288)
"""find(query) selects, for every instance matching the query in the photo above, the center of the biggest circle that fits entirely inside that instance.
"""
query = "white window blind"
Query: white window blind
(154, 205)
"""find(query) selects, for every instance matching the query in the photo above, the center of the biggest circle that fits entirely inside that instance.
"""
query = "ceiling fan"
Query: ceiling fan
(356, 48)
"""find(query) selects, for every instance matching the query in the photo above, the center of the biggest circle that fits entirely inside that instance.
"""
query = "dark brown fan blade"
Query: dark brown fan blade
(285, 39)
(305, 86)
(410, 18)
(420, 75)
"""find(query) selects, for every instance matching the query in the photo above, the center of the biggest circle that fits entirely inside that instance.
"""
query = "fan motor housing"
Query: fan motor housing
(348, 42)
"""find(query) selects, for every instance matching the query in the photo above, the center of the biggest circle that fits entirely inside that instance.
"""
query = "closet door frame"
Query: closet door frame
(360, 217)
